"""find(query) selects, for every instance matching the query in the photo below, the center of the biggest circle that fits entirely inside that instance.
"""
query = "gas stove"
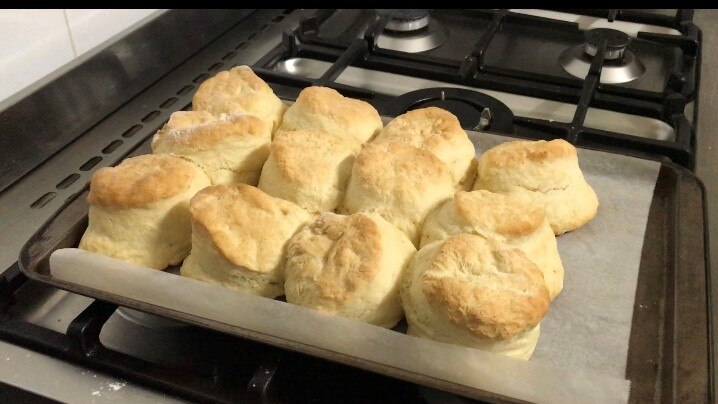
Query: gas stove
(625, 81)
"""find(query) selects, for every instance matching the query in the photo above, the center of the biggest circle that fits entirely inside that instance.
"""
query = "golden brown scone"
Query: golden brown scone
(400, 182)
(325, 110)
(349, 266)
(309, 168)
(439, 132)
(546, 172)
(480, 293)
(139, 210)
(239, 238)
(512, 219)
(229, 150)
(239, 91)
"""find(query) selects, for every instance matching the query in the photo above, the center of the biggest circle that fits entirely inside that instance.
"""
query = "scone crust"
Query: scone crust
(207, 134)
(352, 261)
(506, 215)
(518, 152)
(438, 131)
(485, 287)
(141, 180)
(239, 90)
(324, 109)
(245, 224)
(307, 158)
(184, 119)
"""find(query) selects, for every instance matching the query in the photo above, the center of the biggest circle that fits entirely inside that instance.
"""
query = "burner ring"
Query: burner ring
(616, 42)
(405, 20)
(476, 111)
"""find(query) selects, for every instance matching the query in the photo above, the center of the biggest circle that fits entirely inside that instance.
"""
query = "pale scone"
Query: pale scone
(229, 150)
(239, 91)
(239, 238)
(439, 132)
(139, 210)
(325, 110)
(184, 119)
(309, 168)
(470, 291)
(548, 173)
(400, 182)
(515, 220)
(349, 266)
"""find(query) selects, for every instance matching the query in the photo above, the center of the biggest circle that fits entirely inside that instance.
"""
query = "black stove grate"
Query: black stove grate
(667, 105)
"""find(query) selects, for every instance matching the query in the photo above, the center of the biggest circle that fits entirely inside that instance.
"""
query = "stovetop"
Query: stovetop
(512, 57)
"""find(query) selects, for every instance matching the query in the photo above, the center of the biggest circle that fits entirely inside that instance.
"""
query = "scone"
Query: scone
(239, 238)
(546, 172)
(439, 132)
(514, 220)
(309, 168)
(239, 91)
(325, 110)
(400, 182)
(139, 210)
(475, 292)
(349, 266)
(185, 119)
(229, 150)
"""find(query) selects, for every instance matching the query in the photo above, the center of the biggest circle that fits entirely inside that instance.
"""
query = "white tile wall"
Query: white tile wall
(34, 43)
(89, 28)
(37, 42)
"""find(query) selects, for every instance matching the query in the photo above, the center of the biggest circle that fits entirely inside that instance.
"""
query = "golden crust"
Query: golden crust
(427, 128)
(352, 261)
(249, 227)
(506, 215)
(141, 180)
(205, 135)
(485, 287)
(324, 109)
(238, 90)
(439, 132)
(519, 152)
(391, 164)
(309, 157)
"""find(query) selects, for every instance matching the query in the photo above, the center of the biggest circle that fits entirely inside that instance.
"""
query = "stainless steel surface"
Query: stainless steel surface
(394, 84)
(408, 25)
(707, 148)
(577, 63)
(54, 309)
(419, 41)
(40, 120)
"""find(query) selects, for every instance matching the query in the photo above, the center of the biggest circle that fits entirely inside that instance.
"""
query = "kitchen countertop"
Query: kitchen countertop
(67, 382)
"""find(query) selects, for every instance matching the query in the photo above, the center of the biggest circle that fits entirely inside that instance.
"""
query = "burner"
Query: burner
(405, 20)
(620, 64)
(411, 31)
(476, 111)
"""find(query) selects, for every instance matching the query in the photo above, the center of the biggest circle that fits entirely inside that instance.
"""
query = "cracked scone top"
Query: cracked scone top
(229, 150)
(548, 173)
(517, 221)
(439, 132)
(476, 292)
(239, 91)
(239, 238)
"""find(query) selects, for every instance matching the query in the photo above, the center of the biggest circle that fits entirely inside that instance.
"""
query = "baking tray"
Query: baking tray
(669, 347)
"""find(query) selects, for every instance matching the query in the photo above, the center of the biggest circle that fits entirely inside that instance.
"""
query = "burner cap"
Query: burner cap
(616, 42)
(476, 111)
(405, 20)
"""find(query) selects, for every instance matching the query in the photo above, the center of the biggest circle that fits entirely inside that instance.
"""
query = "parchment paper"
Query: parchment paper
(581, 353)
(589, 324)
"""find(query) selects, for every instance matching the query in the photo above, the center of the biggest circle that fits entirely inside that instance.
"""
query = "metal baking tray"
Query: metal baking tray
(669, 347)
